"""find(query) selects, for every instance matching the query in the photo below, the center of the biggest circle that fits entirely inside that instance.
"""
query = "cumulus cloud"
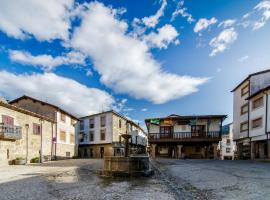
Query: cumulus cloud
(45, 61)
(223, 41)
(227, 23)
(63, 92)
(163, 37)
(153, 20)
(45, 20)
(264, 8)
(124, 62)
(182, 11)
(203, 24)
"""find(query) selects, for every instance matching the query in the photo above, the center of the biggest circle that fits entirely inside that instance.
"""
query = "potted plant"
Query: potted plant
(20, 161)
(35, 160)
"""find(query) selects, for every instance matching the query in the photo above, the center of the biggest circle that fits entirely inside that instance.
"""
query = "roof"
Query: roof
(27, 112)
(249, 76)
(259, 91)
(42, 102)
(116, 113)
(190, 117)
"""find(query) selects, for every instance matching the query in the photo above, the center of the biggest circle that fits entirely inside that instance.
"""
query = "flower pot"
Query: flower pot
(20, 162)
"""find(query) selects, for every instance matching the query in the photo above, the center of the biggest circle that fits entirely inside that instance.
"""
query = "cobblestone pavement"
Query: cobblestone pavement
(216, 179)
(75, 179)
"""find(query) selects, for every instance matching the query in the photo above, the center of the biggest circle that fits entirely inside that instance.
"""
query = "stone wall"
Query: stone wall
(84, 151)
(10, 149)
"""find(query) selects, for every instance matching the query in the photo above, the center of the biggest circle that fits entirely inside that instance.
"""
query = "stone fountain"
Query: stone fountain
(127, 166)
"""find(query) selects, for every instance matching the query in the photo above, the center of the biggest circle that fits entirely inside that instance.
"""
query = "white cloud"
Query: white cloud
(144, 109)
(204, 23)
(180, 10)
(242, 59)
(227, 23)
(45, 20)
(219, 70)
(264, 8)
(164, 36)
(89, 72)
(124, 62)
(45, 61)
(153, 20)
(223, 41)
(63, 92)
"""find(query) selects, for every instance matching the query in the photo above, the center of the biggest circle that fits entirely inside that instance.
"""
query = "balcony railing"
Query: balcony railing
(184, 136)
(10, 132)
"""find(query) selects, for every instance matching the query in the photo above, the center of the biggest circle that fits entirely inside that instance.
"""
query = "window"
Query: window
(102, 135)
(91, 123)
(119, 123)
(62, 136)
(72, 138)
(256, 123)
(245, 90)
(36, 129)
(81, 137)
(81, 125)
(228, 150)
(244, 109)
(102, 121)
(63, 117)
(257, 103)
(7, 120)
(91, 135)
(72, 122)
(243, 126)
(67, 154)
(228, 141)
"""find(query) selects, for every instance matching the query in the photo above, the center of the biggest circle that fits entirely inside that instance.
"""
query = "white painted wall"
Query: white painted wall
(64, 126)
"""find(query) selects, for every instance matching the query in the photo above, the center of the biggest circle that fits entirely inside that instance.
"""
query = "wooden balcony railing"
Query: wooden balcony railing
(184, 136)
(10, 132)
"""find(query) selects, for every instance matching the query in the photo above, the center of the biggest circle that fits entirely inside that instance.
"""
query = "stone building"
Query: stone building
(227, 146)
(99, 135)
(24, 134)
(251, 116)
(178, 136)
(64, 133)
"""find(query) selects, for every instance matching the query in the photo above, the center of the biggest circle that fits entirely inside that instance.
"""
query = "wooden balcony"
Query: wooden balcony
(211, 136)
(8, 132)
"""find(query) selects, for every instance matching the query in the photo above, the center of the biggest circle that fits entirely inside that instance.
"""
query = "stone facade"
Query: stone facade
(64, 146)
(96, 136)
(29, 145)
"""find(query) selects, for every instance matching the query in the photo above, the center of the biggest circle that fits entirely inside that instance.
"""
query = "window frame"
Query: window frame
(36, 129)
(102, 134)
(103, 117)
(243, 106)
(72, 135)
(92, 122)
(257, 127)
(242, 90)
(261, 105)
(91, 136)
(65, 136)
(241, 124)
(63, 117)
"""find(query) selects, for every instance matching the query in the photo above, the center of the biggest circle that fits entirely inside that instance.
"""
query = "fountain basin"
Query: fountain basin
(132, 166)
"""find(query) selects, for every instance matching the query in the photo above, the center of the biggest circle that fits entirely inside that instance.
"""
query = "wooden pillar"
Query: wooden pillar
(252, 150)
(153, 150)
(179, 151)
(215, 151)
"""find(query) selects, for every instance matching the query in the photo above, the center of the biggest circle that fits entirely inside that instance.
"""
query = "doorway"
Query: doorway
(101, 152)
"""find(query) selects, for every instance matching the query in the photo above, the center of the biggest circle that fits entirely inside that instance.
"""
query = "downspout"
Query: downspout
(266, 113)
(52, 141)
(249, 117)
(41, 141)
(55, 156)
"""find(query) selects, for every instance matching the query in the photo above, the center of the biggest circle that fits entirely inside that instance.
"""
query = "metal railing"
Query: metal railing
(185, 135)
(10, 132)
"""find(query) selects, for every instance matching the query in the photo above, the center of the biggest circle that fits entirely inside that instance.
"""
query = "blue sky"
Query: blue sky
(147, 59)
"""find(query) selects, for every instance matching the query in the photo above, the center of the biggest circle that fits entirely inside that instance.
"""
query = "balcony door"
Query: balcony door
(166, 131)
(198, 130)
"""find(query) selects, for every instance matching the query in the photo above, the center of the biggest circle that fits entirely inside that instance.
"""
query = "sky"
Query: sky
(141, 58)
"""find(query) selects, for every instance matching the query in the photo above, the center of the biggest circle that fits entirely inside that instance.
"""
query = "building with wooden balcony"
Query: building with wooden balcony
(24, 134)
(178, 136)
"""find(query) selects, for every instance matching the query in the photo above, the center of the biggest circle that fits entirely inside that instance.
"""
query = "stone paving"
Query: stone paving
(75, 179)
(174, 179)
(216, 179)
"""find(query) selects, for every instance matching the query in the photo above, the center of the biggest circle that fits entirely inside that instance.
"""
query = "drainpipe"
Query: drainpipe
(55, 135)
(41, 140)
(52, 141)
(27, 128)
(249, 117)
(266, 114)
